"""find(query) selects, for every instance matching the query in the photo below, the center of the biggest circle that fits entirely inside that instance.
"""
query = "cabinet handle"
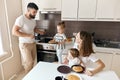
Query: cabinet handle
(49, 8)
(117, 53)
(104, 52)
(118, 19)
(68, 18)
(86, 18)
(105, 18)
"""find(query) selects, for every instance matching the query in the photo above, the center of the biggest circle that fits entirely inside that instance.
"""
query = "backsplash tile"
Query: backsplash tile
(103, 30)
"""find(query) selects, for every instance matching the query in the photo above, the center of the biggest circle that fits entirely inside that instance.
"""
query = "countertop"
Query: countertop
(48, 71)
(96, 49)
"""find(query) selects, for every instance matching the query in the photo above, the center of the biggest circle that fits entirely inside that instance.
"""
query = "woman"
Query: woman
(83, 43)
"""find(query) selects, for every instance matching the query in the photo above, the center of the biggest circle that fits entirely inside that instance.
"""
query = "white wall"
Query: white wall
(12, 65)
(0, 73)
(3, 26)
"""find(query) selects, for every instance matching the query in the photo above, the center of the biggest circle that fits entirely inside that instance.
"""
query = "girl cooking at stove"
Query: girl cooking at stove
(60, 39)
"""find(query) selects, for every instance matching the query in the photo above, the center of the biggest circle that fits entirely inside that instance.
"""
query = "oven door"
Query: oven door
(47, 56)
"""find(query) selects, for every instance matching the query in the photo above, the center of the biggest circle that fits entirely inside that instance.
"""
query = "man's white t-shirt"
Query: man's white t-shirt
(26, 26)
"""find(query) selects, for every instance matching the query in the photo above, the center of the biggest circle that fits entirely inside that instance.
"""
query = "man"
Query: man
(24, 28)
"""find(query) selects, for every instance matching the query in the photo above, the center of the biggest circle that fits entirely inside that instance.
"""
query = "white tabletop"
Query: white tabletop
(48, 71)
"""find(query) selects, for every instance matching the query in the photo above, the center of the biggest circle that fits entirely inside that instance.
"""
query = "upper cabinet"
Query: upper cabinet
(78, 9)
(91, 10)
(69, 9)
(44, 5)
(117, 10)
(105, 9)
(87, 9)
(49, 5)
(24, 7)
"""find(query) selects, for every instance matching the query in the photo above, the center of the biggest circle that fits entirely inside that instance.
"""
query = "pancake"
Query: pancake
(77, 68)
(72, 77)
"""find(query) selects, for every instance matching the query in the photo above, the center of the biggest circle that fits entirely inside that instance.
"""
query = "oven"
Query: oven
(46, 55)
(46, 52)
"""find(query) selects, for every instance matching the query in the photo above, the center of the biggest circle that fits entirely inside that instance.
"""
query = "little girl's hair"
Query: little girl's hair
(74, 52)
(62, 24)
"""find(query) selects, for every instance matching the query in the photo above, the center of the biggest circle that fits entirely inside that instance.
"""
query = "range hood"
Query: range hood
(50, 12)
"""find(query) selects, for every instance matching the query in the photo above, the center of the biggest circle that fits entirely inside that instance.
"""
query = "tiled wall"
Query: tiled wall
(103, 30)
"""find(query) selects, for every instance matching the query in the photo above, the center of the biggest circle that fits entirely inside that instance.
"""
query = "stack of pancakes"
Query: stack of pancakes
(72, 77)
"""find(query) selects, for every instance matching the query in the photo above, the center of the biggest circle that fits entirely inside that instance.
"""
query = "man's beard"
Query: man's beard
(32, 16)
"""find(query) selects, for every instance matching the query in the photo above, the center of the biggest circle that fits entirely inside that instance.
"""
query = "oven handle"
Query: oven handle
(47, 52)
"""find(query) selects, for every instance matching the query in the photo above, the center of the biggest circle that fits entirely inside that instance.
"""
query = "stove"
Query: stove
(107, 44)
(44, 45)
(46, 51)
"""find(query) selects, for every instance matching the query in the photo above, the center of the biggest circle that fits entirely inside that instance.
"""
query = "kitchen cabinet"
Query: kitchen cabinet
(117, 10)
(87, 9)
(49, 5)
(24, 7)
(91, 10)
(106, 58)
(78, 9)
(105, 9)
(116, 64)
(69, 9)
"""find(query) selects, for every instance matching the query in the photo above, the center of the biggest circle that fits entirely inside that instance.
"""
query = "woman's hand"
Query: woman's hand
(100, 66)
(89, 73)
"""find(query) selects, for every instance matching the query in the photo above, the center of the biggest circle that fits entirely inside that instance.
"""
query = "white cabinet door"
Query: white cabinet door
(87, 9)
(116, 64)
(69, 9)
(117, 10)
(24, 7)
(105, 9)
(106, 58)
(49, 5)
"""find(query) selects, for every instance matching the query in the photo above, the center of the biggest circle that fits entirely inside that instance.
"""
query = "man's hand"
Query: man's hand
(31, 36)
(39, 31)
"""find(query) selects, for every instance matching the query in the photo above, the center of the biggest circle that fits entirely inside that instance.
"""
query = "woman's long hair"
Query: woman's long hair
(86, 46)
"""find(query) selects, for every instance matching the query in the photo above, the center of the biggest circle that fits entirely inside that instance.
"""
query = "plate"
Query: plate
(78, 68)
(74, 74)
(64, 69)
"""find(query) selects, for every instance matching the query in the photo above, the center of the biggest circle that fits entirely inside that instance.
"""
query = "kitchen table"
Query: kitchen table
(48, 71)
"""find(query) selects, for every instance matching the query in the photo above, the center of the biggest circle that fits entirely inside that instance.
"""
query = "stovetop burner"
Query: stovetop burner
(107, 44)
(45, 39)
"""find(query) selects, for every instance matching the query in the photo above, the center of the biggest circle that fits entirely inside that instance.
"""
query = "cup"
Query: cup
(73, 39)
(58, 78)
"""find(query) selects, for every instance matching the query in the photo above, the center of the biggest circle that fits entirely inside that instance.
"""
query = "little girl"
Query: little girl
(73, 57)
(84, 44)
(60, 39)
